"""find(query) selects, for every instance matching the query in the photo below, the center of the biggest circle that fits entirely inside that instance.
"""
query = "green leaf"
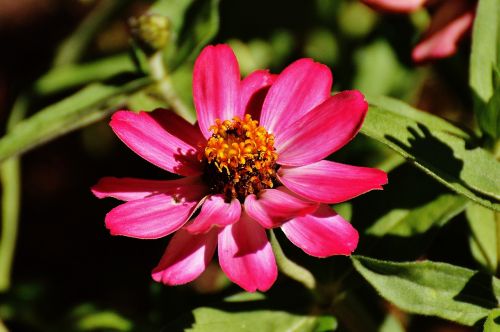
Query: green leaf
(209, 320)
(437, 147)
(429, 288)
(188, 39)
(86, 317)
(84, 107)
(485, 48)
(488, 114)
(74, 75)
(483, 239)
(412, 230)
(492, 323)
(389, 76)
(484, 65)
(411, 222)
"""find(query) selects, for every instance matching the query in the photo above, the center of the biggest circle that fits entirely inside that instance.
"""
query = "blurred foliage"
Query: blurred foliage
(69, 274)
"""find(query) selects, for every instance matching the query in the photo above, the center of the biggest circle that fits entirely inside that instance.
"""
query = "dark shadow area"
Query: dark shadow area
(299, 303)
(408, 189)
(435, 155)
(479, 291)
(431, 151)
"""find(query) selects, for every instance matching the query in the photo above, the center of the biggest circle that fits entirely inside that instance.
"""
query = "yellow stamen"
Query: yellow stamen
(241, 158)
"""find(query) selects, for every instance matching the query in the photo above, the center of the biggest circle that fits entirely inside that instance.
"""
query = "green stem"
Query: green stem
(10, 177)
(291, 269)
(160, 75)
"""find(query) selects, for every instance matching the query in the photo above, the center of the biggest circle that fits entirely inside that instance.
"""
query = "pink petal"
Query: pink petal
(128, 189)
(322, 131)
(246, 256)
(216, 86)
(451, 21)
(396, 6)
(159, 138)
(302, 86)
(186, 257)
(273, 207)
(152, 217)
(179, 127)
(330, 182)
(254, 89)
(215, 212)
(321, 234)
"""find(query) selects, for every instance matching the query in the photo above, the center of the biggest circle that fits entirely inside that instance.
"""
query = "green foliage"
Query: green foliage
(84, 107)
(74, 75)
(412, 222)
(485, 65)
(188, 39)
(484, 225)
(208, 319)
(429, 288)
(365, 51)
(492, 323)
(437, 147)
(88, 318)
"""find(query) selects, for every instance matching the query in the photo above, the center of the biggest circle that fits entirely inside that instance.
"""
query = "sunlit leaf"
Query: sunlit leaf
(483, 241)
(429, 288)
(388, 77)
(84, 107)
(437, 147)
(484, 65)
(492, 323)
(485, 48)
(74, 75)
(411, 222)
(209, 319)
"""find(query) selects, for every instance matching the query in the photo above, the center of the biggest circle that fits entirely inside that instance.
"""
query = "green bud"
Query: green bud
(151, 31)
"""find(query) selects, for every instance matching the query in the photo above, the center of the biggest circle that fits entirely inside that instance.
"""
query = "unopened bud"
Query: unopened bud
(151, 31)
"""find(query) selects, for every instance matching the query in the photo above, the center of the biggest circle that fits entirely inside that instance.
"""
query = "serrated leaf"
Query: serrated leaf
(430, 288)
(437, 147)
(492, 323)
(483, 241)
(82, 108)
(209, 320)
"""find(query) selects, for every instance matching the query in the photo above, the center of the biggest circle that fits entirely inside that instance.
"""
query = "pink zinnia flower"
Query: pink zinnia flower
(451, 21)
(241, 177)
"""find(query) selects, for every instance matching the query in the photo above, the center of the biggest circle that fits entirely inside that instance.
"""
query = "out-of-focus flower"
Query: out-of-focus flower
(451, 21)
(240, 176)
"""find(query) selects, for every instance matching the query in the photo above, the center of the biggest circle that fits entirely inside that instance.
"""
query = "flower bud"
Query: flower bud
(151, 31)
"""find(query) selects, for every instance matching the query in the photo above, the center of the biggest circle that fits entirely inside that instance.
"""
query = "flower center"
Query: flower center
(240, 158)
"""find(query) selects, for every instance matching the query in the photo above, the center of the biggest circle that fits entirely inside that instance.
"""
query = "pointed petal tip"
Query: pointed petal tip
(323, 233)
